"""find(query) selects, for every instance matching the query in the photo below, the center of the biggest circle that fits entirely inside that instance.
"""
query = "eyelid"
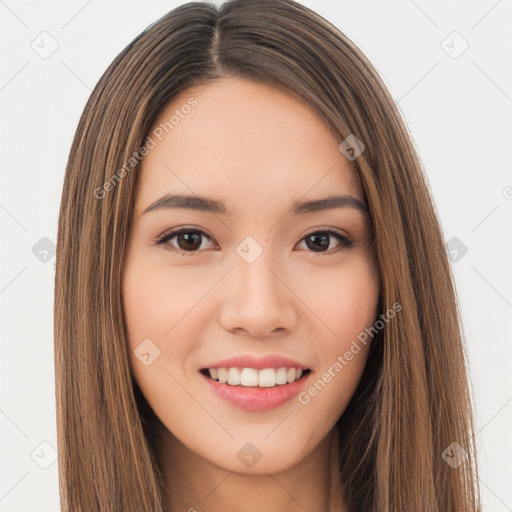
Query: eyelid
(176, 231)
(327, 229)
(346, 241)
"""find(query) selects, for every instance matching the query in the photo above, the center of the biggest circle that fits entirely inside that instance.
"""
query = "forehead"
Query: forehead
(242, 142)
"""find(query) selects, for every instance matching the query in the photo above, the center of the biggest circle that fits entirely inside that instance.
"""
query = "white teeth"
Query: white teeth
(223, 375)
(249, 377)
(266, 378)
(281, 377)
(233, 377)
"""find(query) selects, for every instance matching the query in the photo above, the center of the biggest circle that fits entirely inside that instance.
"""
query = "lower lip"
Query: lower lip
(255, 398)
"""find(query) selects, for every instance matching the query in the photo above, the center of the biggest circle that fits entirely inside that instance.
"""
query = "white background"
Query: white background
(458, 111)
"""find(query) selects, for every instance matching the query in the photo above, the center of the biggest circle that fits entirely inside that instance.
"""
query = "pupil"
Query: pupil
(192, 239)
(323, 239)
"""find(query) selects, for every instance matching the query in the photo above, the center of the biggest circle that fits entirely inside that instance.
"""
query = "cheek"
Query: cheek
(156, 300)
(164, 313)
(154, 313)
(348, 308)
(148, 316)
(346, 301)
(329, 392)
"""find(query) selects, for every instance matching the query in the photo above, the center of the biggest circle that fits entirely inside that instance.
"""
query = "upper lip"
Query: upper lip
(258, 363)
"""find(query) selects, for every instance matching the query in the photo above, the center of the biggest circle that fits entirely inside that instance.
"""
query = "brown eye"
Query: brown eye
(320, 241)
(187, 240)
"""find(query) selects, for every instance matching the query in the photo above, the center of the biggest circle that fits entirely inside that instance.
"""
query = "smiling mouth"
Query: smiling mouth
(253, 378)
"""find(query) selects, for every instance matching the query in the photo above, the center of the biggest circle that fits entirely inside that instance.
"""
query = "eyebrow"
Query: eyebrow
(212, 206)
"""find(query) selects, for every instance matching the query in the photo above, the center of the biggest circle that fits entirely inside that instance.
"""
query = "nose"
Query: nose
(258, 300)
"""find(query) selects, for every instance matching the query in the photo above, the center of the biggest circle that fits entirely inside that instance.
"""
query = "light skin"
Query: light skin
(257, 150)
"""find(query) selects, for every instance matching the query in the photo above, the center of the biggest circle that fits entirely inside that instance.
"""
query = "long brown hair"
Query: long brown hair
(413, 399)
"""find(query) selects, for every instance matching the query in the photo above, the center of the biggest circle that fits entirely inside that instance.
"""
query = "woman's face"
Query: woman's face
(253, 276)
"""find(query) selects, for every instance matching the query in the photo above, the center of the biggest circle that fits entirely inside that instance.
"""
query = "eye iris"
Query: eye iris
(193, 239)
(322, 238)
(190, 241)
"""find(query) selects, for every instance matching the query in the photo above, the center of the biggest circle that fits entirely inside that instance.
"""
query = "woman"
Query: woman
(253, 306)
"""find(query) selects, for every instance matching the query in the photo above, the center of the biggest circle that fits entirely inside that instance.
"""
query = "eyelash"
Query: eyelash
(346, 242)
